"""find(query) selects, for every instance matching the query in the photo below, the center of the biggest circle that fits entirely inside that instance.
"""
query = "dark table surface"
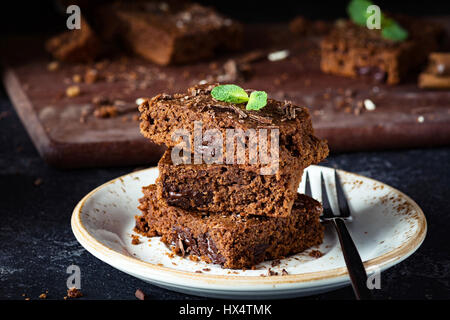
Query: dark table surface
(37, 244)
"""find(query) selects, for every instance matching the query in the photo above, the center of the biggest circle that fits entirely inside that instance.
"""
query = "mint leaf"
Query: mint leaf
(357, 11)
(394, 31)
(258, 100)
(229, 93)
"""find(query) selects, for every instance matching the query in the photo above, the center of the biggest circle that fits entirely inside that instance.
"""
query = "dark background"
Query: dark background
(36, 201)
(44, 15)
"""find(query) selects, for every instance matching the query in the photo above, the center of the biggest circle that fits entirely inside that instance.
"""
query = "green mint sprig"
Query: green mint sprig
(235, 94)
(390, 29)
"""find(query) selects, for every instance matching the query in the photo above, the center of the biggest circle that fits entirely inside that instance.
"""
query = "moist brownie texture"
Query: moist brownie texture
(356, 51)
(162, 115)
(222, 188)
(232, 241)
(175, 32)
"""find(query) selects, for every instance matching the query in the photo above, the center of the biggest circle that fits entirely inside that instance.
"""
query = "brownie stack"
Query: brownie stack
(232, 213)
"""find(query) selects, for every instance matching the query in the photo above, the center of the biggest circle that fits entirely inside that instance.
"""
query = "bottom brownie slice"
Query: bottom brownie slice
(232, 241)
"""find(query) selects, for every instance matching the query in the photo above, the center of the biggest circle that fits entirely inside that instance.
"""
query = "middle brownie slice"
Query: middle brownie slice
(224, 188)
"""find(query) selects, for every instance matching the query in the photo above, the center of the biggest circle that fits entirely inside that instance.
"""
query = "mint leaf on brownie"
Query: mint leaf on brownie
(390, 29)
(357, 10)
(258, 100)
(393, 31)
(229, 93)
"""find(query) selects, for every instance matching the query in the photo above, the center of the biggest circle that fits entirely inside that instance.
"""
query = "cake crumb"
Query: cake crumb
(276, 262)
(140, 294)
(76, 78)
(73, 91)
(135, 239)
(43, 296)
(284, 272)
(206, 269)
(53, 66)
(106, 112)
(74, 293)
(270, 272)
(193, 258)
(4, 114)
(198, 271)
(315, 254)
(91, 76)
(38, 182)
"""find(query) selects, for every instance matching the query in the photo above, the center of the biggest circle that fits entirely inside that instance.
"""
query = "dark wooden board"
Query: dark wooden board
(53, 120)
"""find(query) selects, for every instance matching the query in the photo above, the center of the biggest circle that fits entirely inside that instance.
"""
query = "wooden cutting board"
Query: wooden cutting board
(68, 134)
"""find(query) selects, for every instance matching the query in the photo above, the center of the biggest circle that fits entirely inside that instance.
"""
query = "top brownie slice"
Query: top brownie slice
(164, 114)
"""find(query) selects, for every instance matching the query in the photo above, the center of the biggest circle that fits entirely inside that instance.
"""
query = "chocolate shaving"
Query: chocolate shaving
(181, 246)
(259, 118)
(241, 113)
(228, 107)
(289, 110)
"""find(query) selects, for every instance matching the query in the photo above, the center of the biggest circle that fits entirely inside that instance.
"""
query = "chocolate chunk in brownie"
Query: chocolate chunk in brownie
(233, 241)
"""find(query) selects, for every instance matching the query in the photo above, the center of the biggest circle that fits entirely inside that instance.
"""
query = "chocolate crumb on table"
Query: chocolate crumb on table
(284, 272)
(73, 91)
(140, 294)
(106, 112)
(74, 293)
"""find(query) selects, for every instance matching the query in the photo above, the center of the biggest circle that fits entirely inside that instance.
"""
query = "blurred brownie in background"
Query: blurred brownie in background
(78, 45)
(356, 51)
(173, 32)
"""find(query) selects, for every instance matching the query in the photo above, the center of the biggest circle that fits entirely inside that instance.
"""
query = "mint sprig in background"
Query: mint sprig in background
(235, 94)
(390, 29)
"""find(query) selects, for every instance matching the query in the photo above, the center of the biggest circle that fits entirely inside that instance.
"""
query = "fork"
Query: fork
(355, 267)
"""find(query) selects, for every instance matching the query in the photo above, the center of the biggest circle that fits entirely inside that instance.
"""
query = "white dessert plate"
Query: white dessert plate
(387, 227)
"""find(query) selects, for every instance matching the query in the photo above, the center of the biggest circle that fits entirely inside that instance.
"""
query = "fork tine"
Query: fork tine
(308, 186)
(327, 212)
(342, 200)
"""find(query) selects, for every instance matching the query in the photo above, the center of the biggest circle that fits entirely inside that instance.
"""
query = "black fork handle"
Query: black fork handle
(355, 267)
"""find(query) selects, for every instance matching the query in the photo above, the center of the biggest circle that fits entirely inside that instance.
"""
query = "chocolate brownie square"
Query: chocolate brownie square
(227, 188)
(78, 45)
(356, 51)
(163, 115)
(176, 32)
(233, 241)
